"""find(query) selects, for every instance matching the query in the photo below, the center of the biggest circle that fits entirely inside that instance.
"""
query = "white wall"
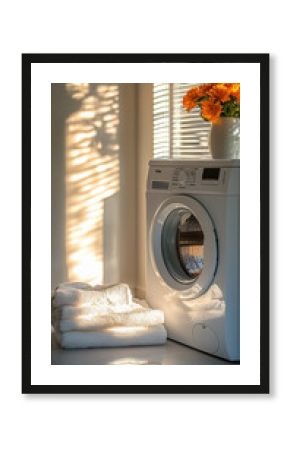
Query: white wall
(128, 198)
(106, 251)
(124, 235)
(60, 106)
(145, 151)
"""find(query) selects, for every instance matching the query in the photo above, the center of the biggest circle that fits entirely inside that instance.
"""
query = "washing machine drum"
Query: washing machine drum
(184, 245)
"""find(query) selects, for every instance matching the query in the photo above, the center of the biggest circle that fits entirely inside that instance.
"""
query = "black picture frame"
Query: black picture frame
(263, 61)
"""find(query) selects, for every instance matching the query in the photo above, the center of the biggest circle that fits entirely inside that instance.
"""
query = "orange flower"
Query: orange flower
(188, 103)
(191, 98)
(234, 90)
(211, 110)
(204, 89)
(220, 91)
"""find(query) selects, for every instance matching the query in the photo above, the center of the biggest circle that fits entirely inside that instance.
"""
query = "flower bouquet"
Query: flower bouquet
(219, 103)
(215, 100)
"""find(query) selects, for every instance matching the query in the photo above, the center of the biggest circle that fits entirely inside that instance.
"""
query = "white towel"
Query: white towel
(119, 294)
(114, 337)
(76, 285)
(96, 322)
(73, 312)
(87, 316)
(93, 318)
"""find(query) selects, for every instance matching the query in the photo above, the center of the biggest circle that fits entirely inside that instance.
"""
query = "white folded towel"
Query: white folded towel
(114, 337)
(93, 318)
(85, 316)
(76, 285)
(96, 322)
(73, 312)
(118, 294)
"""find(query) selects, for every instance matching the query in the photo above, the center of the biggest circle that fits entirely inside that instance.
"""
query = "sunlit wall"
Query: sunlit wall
(97, 140)
(92, 175)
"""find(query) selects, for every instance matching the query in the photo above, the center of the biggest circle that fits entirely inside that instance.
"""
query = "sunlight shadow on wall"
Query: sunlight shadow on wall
(92, 176)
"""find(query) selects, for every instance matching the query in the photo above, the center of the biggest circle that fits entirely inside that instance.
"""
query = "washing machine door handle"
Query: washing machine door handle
(183, 245)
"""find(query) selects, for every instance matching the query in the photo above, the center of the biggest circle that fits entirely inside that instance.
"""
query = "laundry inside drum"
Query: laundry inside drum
(190, 244)
(183, 245)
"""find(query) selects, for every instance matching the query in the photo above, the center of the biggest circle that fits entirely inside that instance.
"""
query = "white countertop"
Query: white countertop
(170, 353)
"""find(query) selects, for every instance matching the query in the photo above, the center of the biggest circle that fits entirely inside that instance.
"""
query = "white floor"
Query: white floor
(170, 353)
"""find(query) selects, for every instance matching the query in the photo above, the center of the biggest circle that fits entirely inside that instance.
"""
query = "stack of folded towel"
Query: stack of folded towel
(85, 316)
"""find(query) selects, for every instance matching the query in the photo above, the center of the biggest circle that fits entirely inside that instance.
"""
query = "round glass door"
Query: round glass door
(182, 245)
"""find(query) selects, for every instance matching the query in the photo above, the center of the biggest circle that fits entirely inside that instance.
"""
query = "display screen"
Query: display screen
(211, 173)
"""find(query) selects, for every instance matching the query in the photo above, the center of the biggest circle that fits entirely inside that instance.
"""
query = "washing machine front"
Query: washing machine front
(192, 236)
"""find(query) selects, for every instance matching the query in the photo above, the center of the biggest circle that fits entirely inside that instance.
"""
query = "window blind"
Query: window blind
(178, 134)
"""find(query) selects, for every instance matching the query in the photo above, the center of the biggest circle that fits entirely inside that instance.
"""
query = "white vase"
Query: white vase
(225, 138)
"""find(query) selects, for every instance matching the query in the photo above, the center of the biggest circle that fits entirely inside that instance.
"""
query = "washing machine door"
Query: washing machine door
(183, 245)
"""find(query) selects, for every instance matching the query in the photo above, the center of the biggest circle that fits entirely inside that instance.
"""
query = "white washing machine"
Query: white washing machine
(193, 252)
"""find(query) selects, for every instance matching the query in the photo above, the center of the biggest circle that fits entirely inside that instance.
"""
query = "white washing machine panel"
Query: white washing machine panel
(193, 252)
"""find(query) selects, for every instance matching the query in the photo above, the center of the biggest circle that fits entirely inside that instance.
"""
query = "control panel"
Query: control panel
(193, 177)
